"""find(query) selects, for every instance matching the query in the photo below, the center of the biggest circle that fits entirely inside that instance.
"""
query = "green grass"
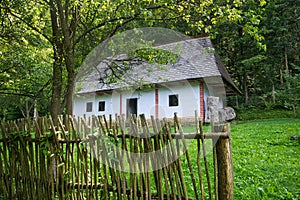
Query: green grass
(266, 162)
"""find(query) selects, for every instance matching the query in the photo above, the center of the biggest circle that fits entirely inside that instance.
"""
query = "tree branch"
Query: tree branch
(134, 17)
(17, 94)
(7, 69)
(28, 24)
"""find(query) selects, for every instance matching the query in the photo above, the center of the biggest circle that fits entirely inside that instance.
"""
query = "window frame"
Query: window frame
(103, 106)
(173, 100)
(89, 107)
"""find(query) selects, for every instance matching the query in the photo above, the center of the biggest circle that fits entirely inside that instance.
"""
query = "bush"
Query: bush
(260, 113)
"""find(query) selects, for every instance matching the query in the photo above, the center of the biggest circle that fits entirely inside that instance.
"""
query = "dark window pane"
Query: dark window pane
(89, 106)
(101, 106)
(173, 100)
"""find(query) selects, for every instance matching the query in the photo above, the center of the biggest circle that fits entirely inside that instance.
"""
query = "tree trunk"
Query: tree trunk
(27, 109)
(57, 80)
(245, 88)
(69, 94)
(35, 110)
(273, 94)
(286, 62)
(68, 32)
(287, 68)
(295, 111)
(281, 76)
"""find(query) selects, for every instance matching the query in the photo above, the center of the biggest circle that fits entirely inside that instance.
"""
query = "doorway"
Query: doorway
(131, 107)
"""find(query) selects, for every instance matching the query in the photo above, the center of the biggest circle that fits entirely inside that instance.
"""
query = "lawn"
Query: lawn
(266, 162)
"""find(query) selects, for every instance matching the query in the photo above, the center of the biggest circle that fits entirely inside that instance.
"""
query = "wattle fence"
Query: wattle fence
(100, 158)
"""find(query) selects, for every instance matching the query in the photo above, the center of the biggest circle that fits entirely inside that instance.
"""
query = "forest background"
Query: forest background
(44, 42)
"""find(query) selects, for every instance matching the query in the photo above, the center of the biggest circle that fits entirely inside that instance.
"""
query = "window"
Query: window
(89, 106)
(173, 100)
(101, 106)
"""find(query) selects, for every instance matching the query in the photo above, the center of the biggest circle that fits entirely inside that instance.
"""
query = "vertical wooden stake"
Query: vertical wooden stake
(225, 167)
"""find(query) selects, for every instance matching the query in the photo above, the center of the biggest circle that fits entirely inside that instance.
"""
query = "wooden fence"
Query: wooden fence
(99, 158)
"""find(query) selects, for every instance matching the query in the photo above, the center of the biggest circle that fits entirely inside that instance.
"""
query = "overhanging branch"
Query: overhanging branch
(29, 25)
(17, 94)
(129, 18)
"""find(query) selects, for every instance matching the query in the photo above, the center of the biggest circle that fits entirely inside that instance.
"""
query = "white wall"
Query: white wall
(145, 101)
(108, 104)
(188, 96)
(79, 106)
(113, 104)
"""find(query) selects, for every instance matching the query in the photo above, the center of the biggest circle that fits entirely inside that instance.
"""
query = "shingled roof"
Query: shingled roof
(196, 60)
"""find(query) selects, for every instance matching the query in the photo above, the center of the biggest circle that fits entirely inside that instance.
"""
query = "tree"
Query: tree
(24, 71)
(281, 23)
(241, 45)
(259, 70)
(73, 27)
(289, 94)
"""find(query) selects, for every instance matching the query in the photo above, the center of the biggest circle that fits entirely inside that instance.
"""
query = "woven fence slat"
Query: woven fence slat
(111, 157)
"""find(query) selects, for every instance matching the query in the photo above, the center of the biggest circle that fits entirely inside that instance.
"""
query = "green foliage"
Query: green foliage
(24, 77)
(289, 95)
(25, 64)
(258, 70)
(154, 55)
(251, 113)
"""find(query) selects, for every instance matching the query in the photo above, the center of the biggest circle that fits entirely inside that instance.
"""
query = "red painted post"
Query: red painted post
(201, 87)
(156, 102)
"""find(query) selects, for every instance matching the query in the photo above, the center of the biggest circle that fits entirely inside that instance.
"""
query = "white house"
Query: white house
(180, 87)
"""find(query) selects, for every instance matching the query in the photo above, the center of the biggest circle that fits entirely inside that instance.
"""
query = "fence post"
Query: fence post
(225, 167)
